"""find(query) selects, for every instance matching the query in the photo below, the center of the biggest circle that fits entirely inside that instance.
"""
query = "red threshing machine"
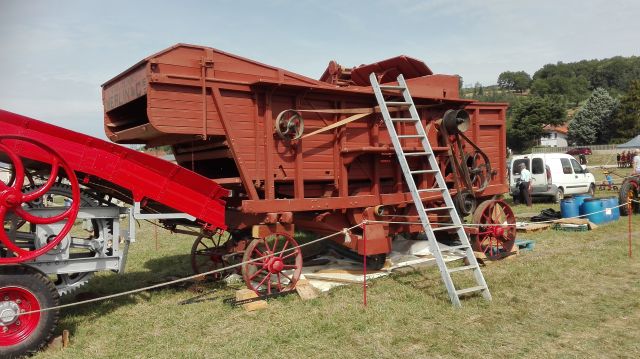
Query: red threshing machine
(263, 154)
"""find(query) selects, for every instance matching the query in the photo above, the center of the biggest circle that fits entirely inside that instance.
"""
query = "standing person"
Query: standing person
(618, 159)
(636, 162)
(583, 159)
(525, 185)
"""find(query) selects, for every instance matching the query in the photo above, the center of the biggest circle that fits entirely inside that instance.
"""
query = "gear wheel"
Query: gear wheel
(102, 233)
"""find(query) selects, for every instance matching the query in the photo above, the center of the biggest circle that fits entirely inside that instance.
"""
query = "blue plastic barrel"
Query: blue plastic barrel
(568, 208)
(612, 202)
(593, 208)
(579, 198)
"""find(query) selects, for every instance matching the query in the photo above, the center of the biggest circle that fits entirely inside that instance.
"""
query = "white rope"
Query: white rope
(200, 275)
(499, 224)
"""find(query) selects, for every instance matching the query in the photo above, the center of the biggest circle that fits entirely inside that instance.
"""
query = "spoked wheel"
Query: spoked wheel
(12, 198)
(629, 193)
(208, 253)
(23, 290)
(479, 170)
(276, 264)
(497, 232)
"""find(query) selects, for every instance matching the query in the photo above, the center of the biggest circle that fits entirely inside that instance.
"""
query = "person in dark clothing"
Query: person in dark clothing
(525, 185)
(618, 159)
(583, 159)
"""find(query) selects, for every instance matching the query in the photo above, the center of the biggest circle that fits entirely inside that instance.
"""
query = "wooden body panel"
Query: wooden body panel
(218, 110)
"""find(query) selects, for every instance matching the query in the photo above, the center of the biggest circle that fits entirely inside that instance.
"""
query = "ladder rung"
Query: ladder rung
(410, 136)
(391, 87)
(445, 228)
(461, 246)
(418, 153)
(397, 103)
(470, 289)
(422, 171)
(403, 119)
(432, 190)
(459, 269)
(438, 209)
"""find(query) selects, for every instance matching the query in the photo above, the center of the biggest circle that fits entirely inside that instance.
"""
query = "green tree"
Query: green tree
(592, 123)
(529, 116)
(515, 81)
(626, 121)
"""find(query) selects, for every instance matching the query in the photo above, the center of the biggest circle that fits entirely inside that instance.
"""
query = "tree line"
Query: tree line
(604, 96)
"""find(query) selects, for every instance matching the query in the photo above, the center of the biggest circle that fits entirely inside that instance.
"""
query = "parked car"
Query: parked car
(554, 175)
(579, 151)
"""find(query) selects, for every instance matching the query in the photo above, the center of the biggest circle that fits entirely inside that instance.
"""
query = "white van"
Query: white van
(553, 175)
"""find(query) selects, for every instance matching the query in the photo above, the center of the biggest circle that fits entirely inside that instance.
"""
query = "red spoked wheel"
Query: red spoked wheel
(209, 252)
(12, 198)
(23, 292)
(272, 264)
(497, 231)
(15, 327)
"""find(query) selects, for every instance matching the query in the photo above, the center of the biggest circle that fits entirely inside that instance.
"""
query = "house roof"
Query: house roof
(560, 129)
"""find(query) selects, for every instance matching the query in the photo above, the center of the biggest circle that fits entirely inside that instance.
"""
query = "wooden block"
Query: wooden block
(534, 227)
(305, 290)
(243, 294)
(65, 338)
(332, 279)
(55, 344)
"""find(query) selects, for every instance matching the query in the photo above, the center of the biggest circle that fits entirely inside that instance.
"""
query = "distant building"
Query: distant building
(554, 136)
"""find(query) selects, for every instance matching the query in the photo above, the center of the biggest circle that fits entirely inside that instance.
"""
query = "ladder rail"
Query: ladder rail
(415, 192)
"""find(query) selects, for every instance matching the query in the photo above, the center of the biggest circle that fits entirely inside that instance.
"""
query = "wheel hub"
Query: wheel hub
(275, 265)
(10, 198)
(9, 311)
(498, 231)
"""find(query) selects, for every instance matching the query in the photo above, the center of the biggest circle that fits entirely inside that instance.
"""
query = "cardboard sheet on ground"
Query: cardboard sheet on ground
(405, 253)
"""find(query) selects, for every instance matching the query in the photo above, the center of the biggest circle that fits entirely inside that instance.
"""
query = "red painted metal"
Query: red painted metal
(127, 174)
(494, 239)
(266, 260)
(219, 113)
(23, 327)
(12, 198)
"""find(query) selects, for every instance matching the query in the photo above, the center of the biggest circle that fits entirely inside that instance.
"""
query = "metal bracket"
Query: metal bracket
(138, 215)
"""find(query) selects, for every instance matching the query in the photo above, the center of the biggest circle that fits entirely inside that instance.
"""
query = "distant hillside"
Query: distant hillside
(576, 80)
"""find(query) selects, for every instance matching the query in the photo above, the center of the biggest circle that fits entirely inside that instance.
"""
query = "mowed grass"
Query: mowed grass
(575, 295)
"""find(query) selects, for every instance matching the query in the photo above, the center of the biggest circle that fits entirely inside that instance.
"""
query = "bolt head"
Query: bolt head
(18, 301)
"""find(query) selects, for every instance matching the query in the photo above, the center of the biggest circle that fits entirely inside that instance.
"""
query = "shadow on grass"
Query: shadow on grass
(160, 270)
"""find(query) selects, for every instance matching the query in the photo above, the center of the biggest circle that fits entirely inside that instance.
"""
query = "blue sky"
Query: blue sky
(55, 54)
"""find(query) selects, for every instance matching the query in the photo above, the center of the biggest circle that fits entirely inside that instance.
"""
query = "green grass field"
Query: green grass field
(576, 295)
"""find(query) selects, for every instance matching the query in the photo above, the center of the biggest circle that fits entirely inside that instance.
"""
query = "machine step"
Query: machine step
(391, 87)
(438, 209)
(460, 269)
(470, 290)
(445, 228)
(399, 119)
(423, 171)
(398, 103)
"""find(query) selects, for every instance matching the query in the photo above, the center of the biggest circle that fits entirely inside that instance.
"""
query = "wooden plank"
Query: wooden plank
(305, 290)
(243, 294)
(533, 227)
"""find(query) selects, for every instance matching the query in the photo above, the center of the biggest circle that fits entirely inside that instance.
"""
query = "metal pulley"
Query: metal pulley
(456, 121)
(289, 125)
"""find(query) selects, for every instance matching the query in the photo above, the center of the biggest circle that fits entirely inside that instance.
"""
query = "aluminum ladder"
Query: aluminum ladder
(440, 186)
